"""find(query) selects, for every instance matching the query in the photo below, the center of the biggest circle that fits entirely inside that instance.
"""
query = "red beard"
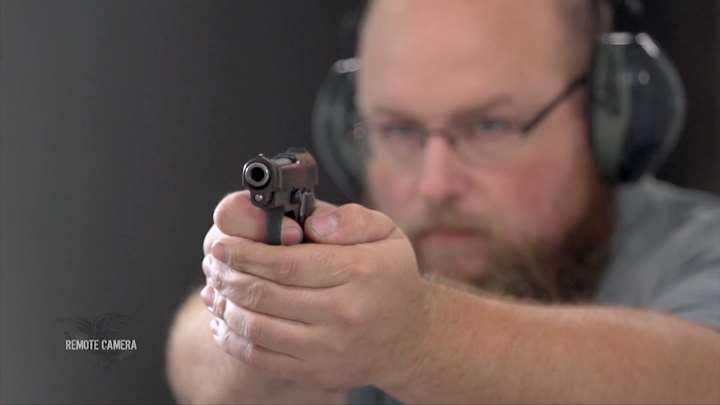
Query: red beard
(450, 245)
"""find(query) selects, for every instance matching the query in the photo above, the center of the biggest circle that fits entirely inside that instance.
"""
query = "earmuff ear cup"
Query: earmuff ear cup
(334, 117)
(637, 107)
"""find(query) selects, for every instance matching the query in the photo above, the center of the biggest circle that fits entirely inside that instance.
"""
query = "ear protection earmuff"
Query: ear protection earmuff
(637, 106)
(636, 114)
(334, 117)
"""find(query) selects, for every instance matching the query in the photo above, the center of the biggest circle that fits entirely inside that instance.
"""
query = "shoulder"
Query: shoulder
(653, 213)
(673, 206)
(664, 234)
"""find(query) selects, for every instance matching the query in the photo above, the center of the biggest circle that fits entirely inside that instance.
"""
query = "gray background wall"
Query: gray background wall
(121, 126)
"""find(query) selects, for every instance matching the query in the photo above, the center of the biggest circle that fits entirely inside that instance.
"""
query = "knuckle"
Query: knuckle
(360, 270)
(236, 253)
(229, 292)
(255, 294)
(250, 329)
(218, 274)
(223, 337)
(352, 314)
(341, 272)
(254, 357)
(236, 256)
(220, 306)
(224, 340)
(216, 281)
(286, 272)
(249, 353)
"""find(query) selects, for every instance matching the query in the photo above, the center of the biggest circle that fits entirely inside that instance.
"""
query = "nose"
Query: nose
(439, 179)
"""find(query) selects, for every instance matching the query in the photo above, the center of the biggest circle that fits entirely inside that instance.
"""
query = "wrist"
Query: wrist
(423, 352)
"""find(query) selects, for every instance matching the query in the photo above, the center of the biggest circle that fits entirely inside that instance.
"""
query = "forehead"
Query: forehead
(460, 51)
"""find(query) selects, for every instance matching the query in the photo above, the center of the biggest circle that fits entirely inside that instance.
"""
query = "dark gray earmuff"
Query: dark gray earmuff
(334, 117)
(637, 110)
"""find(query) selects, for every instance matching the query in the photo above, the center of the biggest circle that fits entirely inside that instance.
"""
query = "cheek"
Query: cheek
(545, 191)
(393, 193)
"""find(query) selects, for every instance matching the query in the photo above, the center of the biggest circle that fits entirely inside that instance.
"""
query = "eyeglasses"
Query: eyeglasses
(474, 140)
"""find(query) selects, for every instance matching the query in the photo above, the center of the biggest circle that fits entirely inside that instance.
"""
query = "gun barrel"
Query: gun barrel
(282, 185)
(257, 174)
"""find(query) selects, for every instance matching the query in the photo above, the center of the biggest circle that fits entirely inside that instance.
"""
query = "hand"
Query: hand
(348, 310)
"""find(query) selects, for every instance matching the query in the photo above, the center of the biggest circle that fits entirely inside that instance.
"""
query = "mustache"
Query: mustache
(450, 219)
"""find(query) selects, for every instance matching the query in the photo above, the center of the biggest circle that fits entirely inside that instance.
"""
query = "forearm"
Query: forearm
(199, 371)
(491, 351)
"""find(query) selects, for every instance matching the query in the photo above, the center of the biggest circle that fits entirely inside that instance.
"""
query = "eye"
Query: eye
(399, 131)
(487, 125)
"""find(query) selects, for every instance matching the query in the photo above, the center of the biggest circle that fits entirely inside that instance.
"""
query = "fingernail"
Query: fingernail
(208, 296)
(291, 235)
(219, 329)
(324, 225)
(219, 252)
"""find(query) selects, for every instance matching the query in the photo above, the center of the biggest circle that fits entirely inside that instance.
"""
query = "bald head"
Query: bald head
(578, 21)
(488, 46)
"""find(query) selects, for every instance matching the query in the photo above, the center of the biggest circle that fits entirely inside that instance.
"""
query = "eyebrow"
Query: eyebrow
(460, 114)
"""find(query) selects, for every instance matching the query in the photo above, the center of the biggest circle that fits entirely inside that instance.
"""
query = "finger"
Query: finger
(236, 216)
(266, 297)
(251, 354)
(323, 207)
(305, 265)
(280, 335)
(207, 296)
(350, 224)
(206, 265)
(211, 236)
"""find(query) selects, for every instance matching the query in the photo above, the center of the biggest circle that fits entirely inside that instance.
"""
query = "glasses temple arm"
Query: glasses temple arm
(554, 103)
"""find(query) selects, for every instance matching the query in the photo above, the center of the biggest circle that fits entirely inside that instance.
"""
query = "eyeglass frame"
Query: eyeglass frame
(524, 130)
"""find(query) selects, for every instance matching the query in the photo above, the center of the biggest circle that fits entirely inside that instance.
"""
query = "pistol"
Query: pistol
(282, 185)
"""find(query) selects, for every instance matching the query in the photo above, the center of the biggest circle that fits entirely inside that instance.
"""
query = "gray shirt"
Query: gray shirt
(665, 257)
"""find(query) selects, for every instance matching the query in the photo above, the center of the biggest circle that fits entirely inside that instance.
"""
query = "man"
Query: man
(442, 295)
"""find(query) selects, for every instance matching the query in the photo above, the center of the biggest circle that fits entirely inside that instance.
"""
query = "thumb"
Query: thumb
(348, 225)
